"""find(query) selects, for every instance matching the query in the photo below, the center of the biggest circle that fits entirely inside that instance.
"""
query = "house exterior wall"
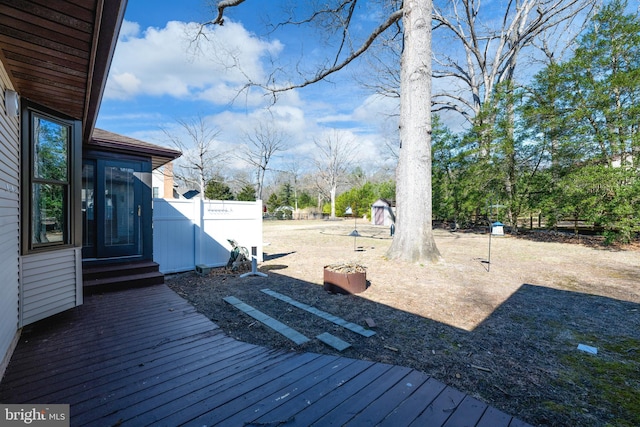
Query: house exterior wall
(9, 225)
(50, 282)
(33, 286)
(163, 182)
(157, 184)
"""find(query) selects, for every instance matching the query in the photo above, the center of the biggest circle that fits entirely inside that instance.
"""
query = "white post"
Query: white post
(199, 236)
(254, 265)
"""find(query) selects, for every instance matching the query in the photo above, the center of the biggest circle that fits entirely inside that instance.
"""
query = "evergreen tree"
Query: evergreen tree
(590, 106)
(446, 205)
(387, 190)
(286, 196)
(601, 87)
(273, 202)
(305, 200)
(216, 189)
(247, 194)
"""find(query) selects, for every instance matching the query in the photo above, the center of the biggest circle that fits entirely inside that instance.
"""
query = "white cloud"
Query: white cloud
(128, 30)
(164, 61)
(376, 108)
(126, 84)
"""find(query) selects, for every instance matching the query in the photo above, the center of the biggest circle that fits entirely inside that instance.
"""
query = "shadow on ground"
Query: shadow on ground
(522, 359)
(270, 257)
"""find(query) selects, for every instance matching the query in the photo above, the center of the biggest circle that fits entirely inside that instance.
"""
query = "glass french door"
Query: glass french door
(111, 208)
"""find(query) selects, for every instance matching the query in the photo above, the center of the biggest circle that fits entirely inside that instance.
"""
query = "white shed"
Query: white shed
(382, 213)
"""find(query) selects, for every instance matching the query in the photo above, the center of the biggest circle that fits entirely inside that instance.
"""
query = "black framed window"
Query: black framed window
(48, 176)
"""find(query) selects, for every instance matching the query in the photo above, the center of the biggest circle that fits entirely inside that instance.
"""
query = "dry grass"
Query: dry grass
(505, 332)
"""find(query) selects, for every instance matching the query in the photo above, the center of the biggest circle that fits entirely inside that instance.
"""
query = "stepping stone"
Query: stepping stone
(322, 314)
(333, 341)
(268, 321)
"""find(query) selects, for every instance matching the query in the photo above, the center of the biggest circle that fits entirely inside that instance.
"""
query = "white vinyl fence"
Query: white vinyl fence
(187, 233)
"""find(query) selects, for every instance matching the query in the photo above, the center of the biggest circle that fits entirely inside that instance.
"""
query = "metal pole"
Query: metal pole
(489, 259)
(254, 265)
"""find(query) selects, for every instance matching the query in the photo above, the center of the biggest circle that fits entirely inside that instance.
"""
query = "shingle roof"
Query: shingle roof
(110, 141)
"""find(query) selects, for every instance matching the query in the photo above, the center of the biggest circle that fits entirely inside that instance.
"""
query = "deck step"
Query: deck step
(118, 269)
(115, 277)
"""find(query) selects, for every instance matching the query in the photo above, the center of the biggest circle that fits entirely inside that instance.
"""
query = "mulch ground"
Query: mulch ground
(507, 336)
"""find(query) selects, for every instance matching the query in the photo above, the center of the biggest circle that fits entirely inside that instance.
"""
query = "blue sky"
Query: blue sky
(157, 78)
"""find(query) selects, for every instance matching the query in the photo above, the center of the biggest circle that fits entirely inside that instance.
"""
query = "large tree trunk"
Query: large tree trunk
(413, 239)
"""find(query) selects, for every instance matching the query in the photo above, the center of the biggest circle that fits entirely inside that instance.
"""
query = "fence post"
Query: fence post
(199, 230)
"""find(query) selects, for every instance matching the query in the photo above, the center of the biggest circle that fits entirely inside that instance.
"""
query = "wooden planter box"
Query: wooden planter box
(344, 283)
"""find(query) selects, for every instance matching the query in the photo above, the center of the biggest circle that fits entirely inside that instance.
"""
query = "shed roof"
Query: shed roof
(383, 202)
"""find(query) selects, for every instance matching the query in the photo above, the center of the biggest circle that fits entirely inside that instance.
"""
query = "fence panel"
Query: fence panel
(187, 233)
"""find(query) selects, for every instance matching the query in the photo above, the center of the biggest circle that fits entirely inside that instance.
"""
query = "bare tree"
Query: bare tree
(201, 158)
(261, 145)
(491, 42)
(239, 179)
(413, 240)
(333, 161)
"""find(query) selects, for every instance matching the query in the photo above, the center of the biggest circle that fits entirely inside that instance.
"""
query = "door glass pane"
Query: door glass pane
(88, 205)
(119, 205)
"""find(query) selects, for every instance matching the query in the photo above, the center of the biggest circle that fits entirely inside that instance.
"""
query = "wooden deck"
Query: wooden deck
(145, 357)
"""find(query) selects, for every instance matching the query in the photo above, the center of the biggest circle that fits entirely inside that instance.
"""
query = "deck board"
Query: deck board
(145, 356)
(125, 381)
(379, 408)
(442, 407)
(151, 402)
(342, 371)
(283, 392)
(468, 412)
(410, 408)
(493, 417)
(358, 401)
(331, 400)
(223, 403)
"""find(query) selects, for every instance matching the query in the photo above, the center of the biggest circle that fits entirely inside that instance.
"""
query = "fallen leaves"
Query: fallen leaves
(346, 268)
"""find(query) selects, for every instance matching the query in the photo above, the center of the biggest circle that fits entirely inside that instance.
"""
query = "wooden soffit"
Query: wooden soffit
(57, 53)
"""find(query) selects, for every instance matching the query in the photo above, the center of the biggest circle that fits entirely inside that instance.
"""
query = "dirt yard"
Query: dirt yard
(506, 332)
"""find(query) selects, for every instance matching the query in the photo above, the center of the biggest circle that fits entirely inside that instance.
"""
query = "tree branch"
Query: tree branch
(322, 74)
(222, 5)
(270, 86)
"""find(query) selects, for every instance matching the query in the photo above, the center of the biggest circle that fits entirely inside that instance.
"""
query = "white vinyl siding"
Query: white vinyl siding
(50, 283)
(9, 222)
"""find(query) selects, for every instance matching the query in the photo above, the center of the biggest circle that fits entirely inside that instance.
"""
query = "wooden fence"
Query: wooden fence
(187, 233)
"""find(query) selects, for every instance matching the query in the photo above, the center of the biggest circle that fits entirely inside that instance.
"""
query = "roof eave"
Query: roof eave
(109, 19)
